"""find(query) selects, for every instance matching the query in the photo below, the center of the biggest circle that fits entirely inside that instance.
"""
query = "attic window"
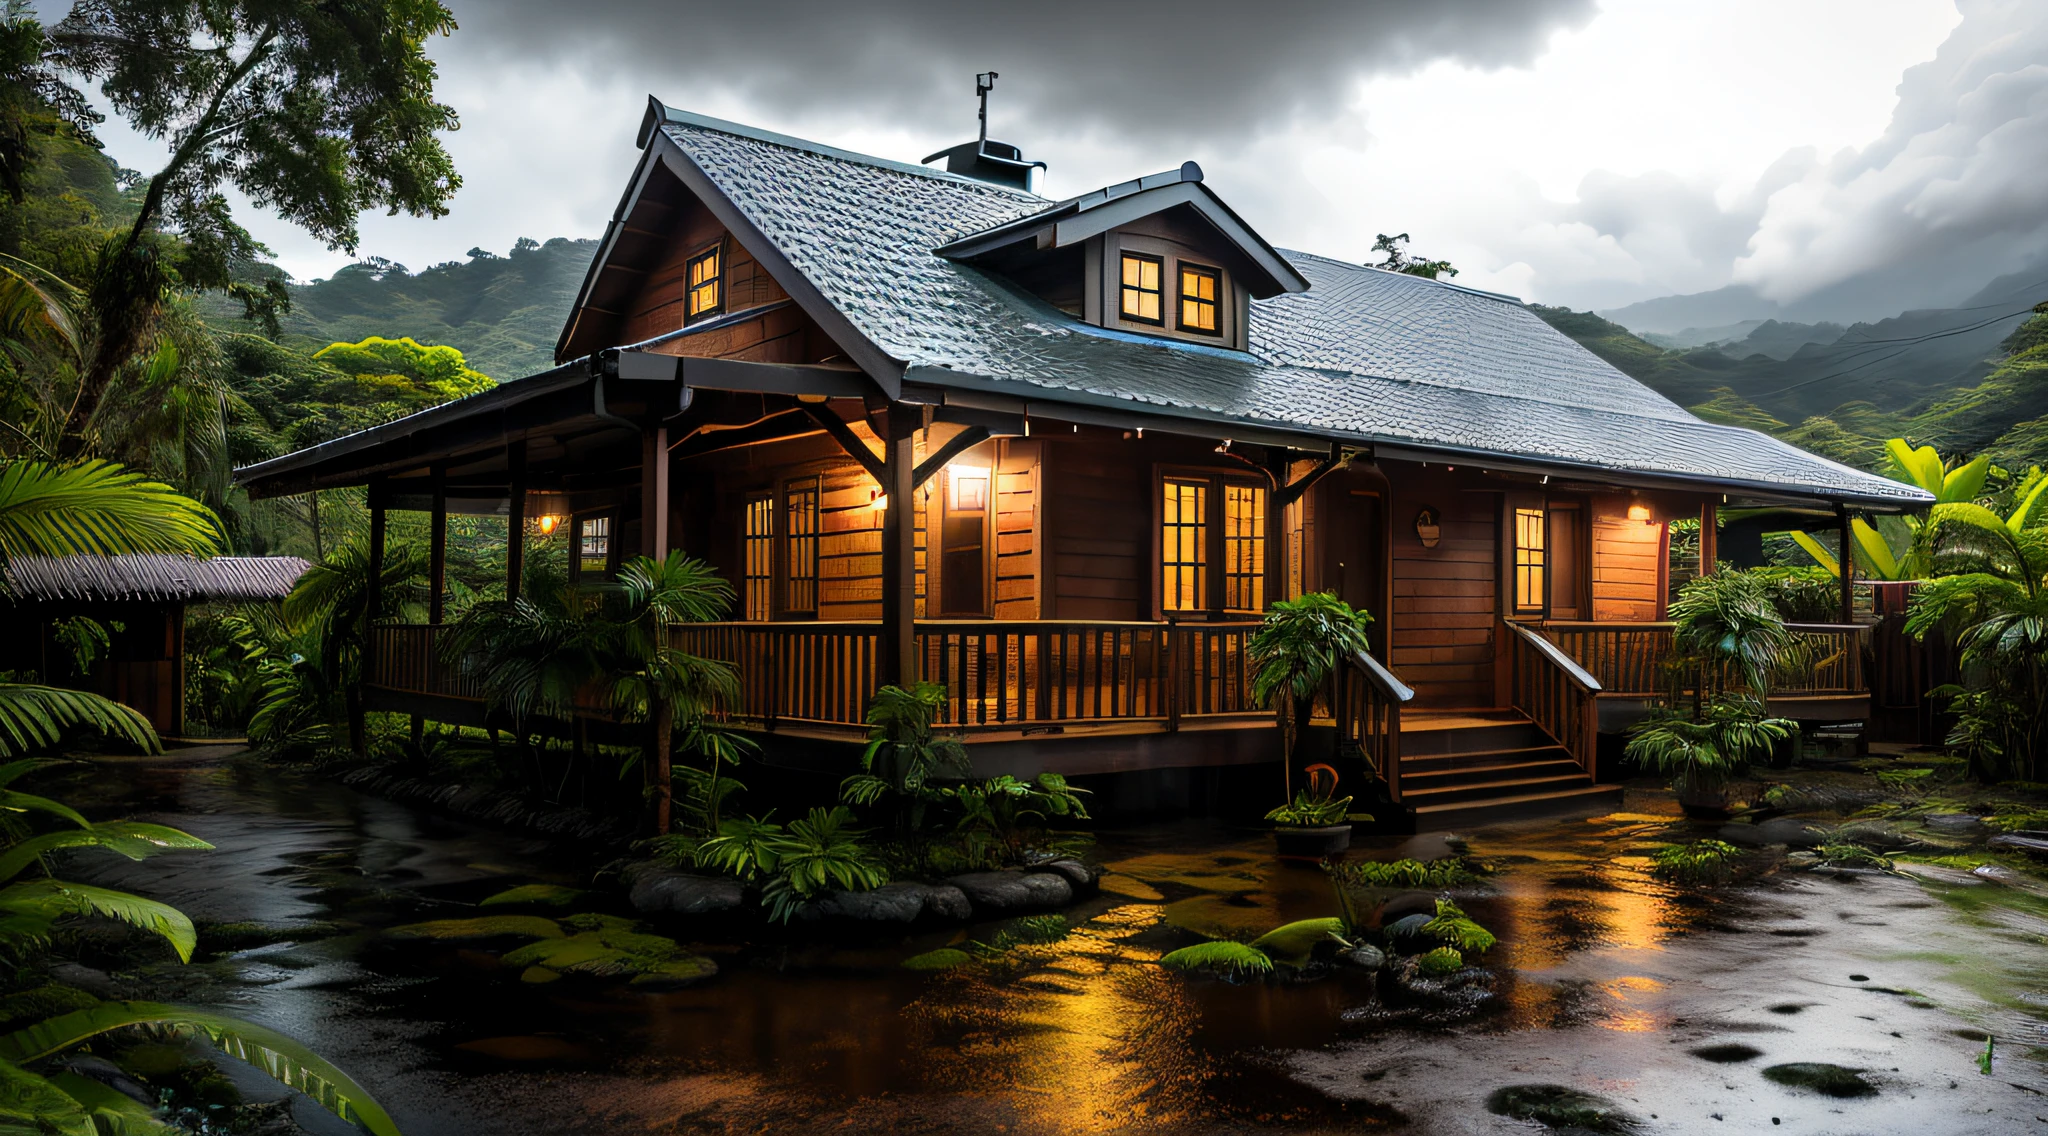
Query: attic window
(1142, 287)
(1198, 290)
(706, 294)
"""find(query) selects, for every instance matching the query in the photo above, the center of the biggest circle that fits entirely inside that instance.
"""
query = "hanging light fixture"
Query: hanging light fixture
(548, 521)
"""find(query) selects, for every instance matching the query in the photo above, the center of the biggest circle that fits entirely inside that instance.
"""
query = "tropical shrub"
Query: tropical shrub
(1698, 863)
(823, 852)
(1702, 753)
(1297, 649)
(747, 848)
(1998, 617)
(1005, 821)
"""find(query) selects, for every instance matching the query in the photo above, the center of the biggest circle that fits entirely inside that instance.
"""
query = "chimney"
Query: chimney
(985, 159)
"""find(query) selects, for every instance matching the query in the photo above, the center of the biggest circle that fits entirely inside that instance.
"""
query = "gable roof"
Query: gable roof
(1362, 355)
(151, 577)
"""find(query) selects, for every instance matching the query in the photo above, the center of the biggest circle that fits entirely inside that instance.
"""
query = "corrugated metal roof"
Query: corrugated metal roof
(1363, 354)
(152, 577)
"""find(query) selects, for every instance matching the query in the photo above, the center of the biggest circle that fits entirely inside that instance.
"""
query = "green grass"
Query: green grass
(1220, 957)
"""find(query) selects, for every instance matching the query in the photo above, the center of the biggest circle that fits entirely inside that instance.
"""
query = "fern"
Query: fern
(1701, 862)
(35, 717)
(132, 839)
(1414, 874)
(27, 911)
(1442, 961)
(1222, 957)
(1453, 926)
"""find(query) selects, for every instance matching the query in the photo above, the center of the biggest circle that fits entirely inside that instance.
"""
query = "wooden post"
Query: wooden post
(515, 518)
(1710, 536)
(437, 549)
(654, 492)
(373, 603)
(1848, 562)
(899, 556)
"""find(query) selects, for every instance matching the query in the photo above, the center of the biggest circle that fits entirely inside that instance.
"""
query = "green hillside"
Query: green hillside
(2000, 414)
(502, 312)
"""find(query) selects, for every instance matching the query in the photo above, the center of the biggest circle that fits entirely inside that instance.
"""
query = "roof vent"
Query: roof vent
(986, 160)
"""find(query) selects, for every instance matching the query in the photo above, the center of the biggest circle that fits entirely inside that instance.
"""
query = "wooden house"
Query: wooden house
(1059, 456)
(140, 600)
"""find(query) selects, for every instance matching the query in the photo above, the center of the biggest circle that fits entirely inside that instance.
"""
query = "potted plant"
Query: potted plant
(1317, 823)
(1728, 632)
(1295, 653)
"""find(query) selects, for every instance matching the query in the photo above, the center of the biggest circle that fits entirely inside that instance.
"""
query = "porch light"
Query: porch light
(968, 485)
(877, 500)
(1638, 512)
(548, 521)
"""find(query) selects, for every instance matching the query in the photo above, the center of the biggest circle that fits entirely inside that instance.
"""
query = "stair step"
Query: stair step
(1499, 789)
(1417, 780)
(1435, 762)
(1467, 736)
(1587, 799)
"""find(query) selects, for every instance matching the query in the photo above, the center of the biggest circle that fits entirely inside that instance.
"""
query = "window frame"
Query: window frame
(1158, 262)
(757, 550)
(1529, 563)
(1215, 545)
(1182, 270)
(714, 252)
(577, 573)
(794, 549)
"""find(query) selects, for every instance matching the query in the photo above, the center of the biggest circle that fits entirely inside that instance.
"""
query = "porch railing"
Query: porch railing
(407, 657)
(1368, 716)
(1556, 693)
(1629, 659)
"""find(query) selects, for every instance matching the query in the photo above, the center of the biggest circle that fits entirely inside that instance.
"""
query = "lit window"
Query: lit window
(1244, 547)
(1183, 546)
(1198, 291)
(706, 296)
(800, 533)
(969, 485)
(1529, 559)
(1141, 288)
(759, 557)
(593, 546)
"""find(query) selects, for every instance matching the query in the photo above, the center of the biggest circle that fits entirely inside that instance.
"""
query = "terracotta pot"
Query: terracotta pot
(1312, 843)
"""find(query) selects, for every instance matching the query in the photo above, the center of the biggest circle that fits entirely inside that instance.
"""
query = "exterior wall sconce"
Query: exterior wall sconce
(548, 522)
(968, 485)
(878, 500)
(1638, 512)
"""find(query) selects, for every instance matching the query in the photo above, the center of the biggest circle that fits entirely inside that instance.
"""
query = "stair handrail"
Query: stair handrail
(1567, 710)
(1368, 715)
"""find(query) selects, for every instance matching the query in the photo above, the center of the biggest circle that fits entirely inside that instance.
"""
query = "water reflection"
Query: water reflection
(1087, 1034)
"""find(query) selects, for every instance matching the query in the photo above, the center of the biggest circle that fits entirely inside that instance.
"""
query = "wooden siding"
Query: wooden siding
(1016, 527)
(1626, 557)
(1098, 494)
(1445, 598)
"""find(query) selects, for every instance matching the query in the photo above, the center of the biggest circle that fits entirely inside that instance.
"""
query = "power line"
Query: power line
(1908, 341)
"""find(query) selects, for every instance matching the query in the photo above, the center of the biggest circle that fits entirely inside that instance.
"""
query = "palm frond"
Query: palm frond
(32, 1104)
(97, 508)
(133, 839)
(33, 717)
(284, 1059)
(44, 901)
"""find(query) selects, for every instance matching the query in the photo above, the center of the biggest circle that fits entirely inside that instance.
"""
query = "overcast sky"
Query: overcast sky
(1586, 152)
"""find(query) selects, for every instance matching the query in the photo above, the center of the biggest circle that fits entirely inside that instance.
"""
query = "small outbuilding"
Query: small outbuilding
(140, 599)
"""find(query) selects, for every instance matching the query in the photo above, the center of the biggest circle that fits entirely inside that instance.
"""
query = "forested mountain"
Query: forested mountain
(502, 312)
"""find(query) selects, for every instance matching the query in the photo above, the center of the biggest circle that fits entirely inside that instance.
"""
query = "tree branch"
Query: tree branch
(196, 141)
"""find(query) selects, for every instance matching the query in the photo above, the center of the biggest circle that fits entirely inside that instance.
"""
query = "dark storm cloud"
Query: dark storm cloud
(1165, 71)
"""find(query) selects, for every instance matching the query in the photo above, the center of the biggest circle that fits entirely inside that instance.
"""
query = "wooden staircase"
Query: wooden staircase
(1467, 767)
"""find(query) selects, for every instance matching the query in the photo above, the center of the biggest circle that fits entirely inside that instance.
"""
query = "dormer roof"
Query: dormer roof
(1071, 222)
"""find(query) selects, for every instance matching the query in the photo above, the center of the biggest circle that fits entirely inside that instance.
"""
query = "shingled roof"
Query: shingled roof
(151, 578)
(1363, 355)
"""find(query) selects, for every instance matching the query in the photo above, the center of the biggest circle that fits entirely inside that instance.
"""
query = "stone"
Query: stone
(905, 901)
(2031, 846)
(1015, 891)
(1082, 876)
(1406, 904)
(655, 889)
(1408, 929)
(1560, 1108)
(947, 902)
(1828, 1080)
(98, 983)
(1462, 992)
(1779, 830)
(1364, 956)
(1953, 824)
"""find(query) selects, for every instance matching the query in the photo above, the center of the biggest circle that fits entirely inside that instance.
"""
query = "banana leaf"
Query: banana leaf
(32, 1106)
(27, 909)
(284, 1059)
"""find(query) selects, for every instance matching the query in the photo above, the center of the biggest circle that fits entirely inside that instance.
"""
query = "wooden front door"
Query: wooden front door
(1358, 568)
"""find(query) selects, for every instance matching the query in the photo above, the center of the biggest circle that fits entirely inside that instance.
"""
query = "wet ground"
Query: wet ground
(1669, 1004)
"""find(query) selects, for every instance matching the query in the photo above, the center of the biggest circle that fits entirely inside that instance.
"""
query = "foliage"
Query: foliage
(1454, 927)
(1005, 821)
(95, 508)
(610, 947)
(945, 958)
(1999, 619)
(704, 790)
(1405, 874)
(1296, 651)
(1729, 619)
(1845, 855)
(1698, 863)
(1703, 753)
(747, 848)
(1291, 943)
(280, 1056)
(1441, 961)
(1230, 959)
(1810, 594)
(37, 717)
(903, 751)
(480, 927)
(1394, 258)
(823, 851)
(1316, 804)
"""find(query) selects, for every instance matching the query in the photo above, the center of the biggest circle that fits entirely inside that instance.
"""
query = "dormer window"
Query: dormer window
(706, 288)
(1199, 288)
(1142, 287)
